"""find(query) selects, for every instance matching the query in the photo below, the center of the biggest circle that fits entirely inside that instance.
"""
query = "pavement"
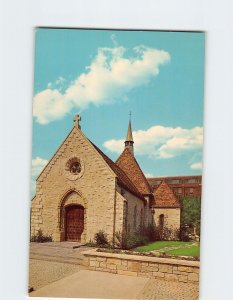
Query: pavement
(56, 271)
(66, 252)
(92, 284)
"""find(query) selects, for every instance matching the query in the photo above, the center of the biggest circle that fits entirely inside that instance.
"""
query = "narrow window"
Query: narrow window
(161, 220)
(135, 217)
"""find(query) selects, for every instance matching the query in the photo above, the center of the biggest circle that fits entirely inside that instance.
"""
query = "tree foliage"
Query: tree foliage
(190, 211)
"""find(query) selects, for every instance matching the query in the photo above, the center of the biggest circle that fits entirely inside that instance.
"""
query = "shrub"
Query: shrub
(41, 238)
(150, 233)
(101, 239)
(166, 233)
(128, 241)
(90, 244)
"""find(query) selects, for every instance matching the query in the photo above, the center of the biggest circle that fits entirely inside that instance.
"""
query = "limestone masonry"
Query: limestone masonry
(143, 266)
(81, 191)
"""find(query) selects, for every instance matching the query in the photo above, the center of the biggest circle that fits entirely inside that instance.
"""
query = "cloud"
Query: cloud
(37, 165)
(161, 142)
(149, 175)
(196, 166)
(110, 76)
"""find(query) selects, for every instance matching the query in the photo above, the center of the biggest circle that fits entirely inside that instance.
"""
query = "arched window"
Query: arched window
(125, 215)
(161, 220)
(141, 219)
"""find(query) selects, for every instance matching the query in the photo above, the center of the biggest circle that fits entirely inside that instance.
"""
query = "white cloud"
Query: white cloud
(37, 165)
(149, 175)
(162, 142)
(109, 77)
(196, 166)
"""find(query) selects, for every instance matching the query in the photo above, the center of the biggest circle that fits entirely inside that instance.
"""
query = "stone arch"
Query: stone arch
(72, 197)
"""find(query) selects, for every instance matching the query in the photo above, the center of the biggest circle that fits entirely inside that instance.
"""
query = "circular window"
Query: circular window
(74, 168)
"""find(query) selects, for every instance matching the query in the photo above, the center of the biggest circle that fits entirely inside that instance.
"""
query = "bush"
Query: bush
(166, 233)
(90, 244)
(41, 238)
(150, 233)
(128, 241)
(101, 239)
(184, 234)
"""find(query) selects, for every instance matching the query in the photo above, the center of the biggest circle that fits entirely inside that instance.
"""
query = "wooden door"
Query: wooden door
(74, 222)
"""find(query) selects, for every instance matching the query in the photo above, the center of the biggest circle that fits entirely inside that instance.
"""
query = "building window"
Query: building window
(135, 218)
(179, 190)
(157, 182)
(126, 215)
(141, 219)
(192, 180)
(161, 220)
(174, 181)
(191, 190)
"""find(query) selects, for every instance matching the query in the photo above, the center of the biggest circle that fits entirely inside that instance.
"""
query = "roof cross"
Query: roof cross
(77, 119)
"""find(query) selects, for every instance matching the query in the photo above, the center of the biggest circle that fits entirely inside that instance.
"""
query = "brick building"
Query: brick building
(180, 185)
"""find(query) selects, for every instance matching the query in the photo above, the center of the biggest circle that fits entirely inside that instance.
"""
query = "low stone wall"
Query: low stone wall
(144, 266)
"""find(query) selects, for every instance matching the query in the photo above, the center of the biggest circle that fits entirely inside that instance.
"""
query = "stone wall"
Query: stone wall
(95, 189)
(144, 266)
(171, 217)
(135, 211)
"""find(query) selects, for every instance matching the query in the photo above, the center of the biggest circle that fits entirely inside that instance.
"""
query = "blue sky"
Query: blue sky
(105, 74)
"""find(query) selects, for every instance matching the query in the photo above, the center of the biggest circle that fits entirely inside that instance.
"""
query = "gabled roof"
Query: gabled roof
(130, 166)
(123, 179)
(164, 196)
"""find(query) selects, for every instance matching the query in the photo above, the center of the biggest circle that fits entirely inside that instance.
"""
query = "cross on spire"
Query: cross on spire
(77, 119)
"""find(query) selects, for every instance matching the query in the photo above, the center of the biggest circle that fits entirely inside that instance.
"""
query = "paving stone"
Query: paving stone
(43, 272)
(157, 289)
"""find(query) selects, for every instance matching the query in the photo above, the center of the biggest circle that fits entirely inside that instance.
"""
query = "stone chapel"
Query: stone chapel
(82, 191)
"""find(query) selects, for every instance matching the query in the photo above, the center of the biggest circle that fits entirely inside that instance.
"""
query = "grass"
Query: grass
(191, 251)
(160, 245)
(183, 248)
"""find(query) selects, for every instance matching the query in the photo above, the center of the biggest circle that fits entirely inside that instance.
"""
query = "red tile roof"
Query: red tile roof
(122, 178)
(164, 196)
(130, 166)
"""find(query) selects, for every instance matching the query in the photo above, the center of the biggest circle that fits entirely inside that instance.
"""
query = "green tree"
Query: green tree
(191, 211)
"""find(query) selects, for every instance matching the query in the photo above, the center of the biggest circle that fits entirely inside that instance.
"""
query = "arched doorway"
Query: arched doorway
(74, 222)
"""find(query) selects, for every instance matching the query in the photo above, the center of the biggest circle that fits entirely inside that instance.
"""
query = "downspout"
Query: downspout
(114, 214)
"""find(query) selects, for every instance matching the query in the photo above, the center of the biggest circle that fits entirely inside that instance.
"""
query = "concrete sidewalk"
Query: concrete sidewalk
(92, 284)
(57, 251)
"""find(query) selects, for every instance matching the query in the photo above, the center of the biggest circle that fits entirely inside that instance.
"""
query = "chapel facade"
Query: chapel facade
(82, 191)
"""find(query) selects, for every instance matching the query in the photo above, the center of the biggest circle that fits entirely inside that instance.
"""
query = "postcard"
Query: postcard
(116, 164)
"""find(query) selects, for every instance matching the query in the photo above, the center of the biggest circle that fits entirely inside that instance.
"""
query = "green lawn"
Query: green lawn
(183, 248)
(160, 244)
(192, 251)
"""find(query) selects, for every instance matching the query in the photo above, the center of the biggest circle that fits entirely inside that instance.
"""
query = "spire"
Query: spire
(129, 137)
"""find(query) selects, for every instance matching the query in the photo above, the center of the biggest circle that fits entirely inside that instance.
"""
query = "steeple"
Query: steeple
(129, 137)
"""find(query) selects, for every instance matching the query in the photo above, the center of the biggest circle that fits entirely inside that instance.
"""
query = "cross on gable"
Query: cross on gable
(77, 119)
